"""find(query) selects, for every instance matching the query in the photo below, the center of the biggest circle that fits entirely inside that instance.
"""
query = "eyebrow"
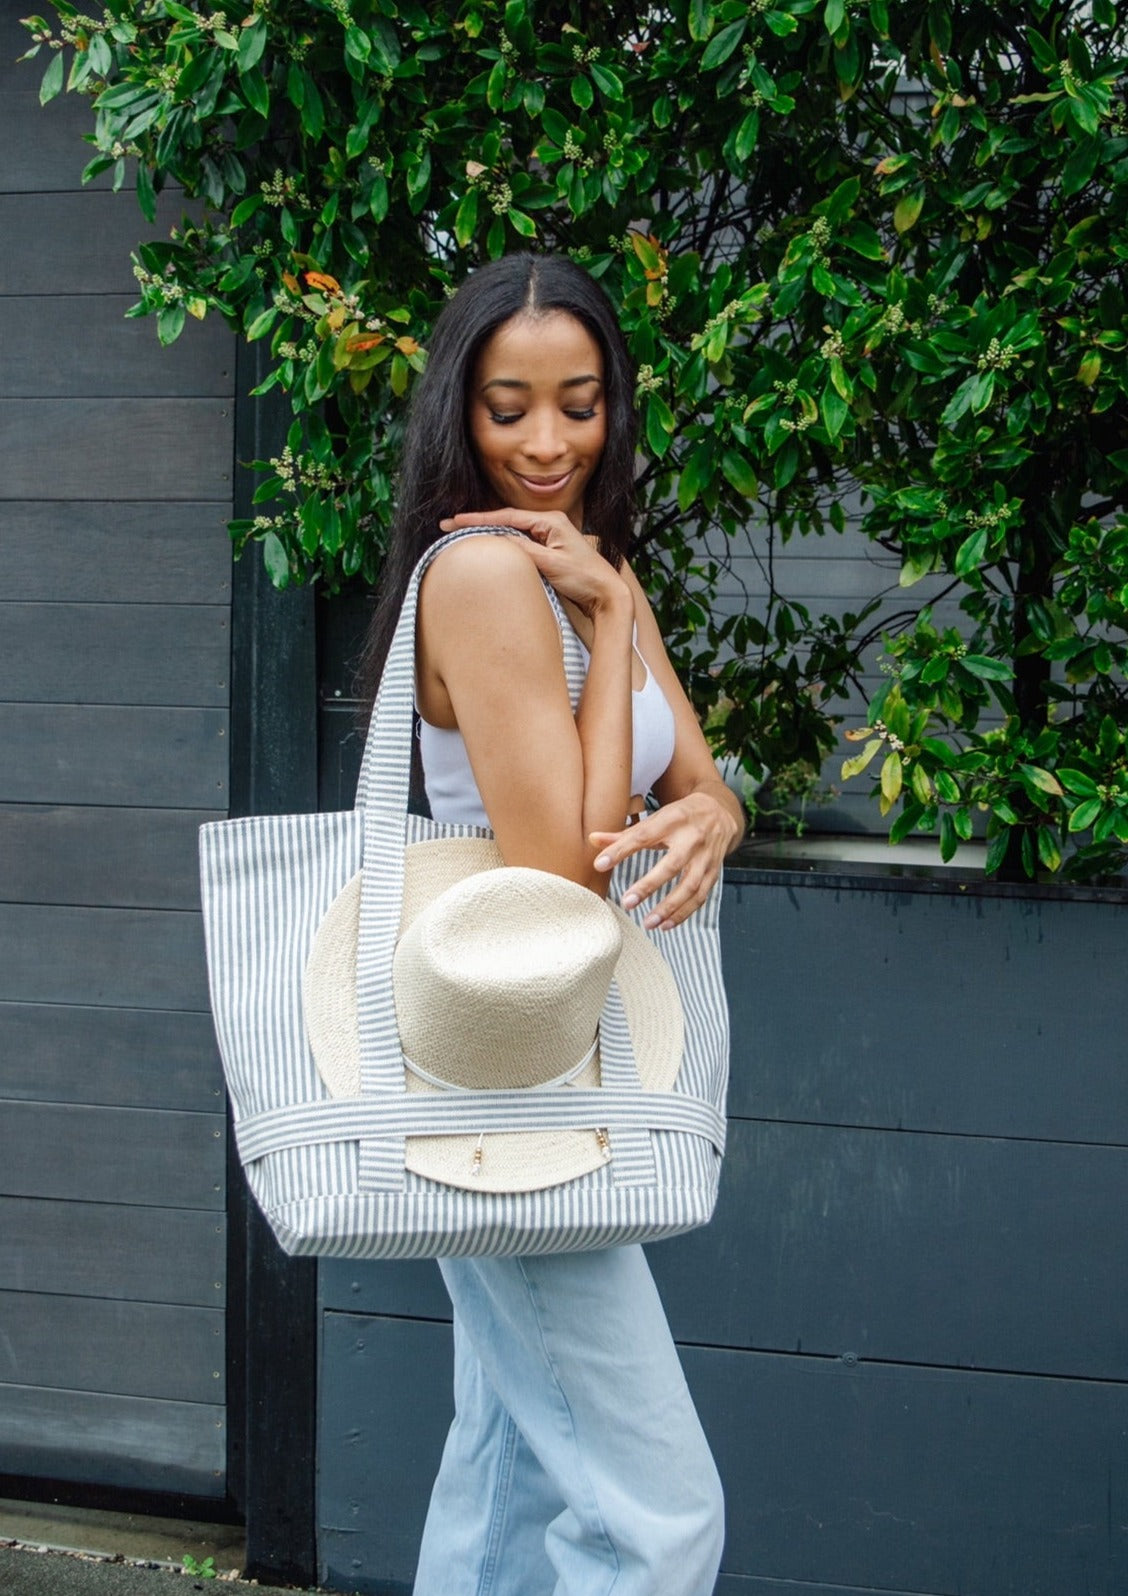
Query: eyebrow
(513, 382)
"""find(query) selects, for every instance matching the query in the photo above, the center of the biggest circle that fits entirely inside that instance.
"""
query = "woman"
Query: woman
(575, 1465)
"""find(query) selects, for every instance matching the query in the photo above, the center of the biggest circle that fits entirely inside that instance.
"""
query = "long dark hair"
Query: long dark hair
(439, 471)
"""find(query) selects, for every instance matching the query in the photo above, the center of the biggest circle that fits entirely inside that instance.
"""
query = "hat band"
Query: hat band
(565, 1079)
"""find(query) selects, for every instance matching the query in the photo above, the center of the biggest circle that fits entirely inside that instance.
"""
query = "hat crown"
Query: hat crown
(500, 982)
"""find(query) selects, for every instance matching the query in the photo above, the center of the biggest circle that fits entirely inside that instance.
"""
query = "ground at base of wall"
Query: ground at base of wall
(27, 1570)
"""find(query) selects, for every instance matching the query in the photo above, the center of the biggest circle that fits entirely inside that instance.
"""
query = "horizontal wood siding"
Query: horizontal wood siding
(116, 464)
(124, 448)
(77, 653)
(104, 228)
(127, 858)
(50, 1245)
(132, 958)
(906, 1329)
(101, 1439)
(93, 349)
(115, 754)
(72, 1343)
(82, 1153)
(833, 575)
(80, 551)
(132, 1058)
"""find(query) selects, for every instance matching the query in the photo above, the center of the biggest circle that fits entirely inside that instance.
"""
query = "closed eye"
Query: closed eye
(507, 420)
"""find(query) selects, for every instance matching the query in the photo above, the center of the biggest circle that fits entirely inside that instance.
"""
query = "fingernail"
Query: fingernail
(603, 862)
(630, 901)
(652, 921)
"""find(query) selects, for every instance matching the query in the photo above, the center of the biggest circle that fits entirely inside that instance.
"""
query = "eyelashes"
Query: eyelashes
(573, 415)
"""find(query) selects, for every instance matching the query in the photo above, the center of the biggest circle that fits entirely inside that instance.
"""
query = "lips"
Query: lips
(546, 485)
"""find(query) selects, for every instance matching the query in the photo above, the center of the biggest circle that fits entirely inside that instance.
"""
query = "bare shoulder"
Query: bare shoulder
(486, 589)
(477, 567)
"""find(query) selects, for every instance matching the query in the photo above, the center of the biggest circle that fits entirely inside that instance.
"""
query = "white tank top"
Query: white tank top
(453, 793)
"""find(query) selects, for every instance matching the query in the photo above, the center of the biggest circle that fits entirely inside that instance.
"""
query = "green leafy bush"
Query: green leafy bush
(863, 253)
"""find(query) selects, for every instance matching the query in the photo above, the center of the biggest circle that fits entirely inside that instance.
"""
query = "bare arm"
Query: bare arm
(700, 820)
(489, 661)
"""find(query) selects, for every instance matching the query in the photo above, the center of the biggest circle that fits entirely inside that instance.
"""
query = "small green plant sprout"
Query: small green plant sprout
(201, 1568)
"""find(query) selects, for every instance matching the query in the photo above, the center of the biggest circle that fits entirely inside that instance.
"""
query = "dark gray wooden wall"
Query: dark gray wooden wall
(116, 462)
(907, 1327)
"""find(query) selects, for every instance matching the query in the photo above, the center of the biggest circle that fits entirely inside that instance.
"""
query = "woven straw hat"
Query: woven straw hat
(500, 976)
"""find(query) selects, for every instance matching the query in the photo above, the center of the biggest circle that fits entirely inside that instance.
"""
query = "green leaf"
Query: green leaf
(252, 43)
(1048, 851)
(996, 851)
(52, 79)
(466, 217)
(660, 424)
(695, 476)
(722, 44)
(386, 51)
(1076, 781)
(146, 194)
(313, 109)
(1085, 814)
(892, 777)
(746, 135)
(245, 209)
(1043, 780)
(582, 92)
(261, 324)
(915, 568)
(495, 85)
(949, 842)
(1080, 166)
(982, 391)
(834, 15)
(99, 55)
(521, 223)
(906, 822)
(738, 471)
(907, 210)
(255, 91)
(834, 411)
(275, 559)
(609, 83)
(700, 20)
(988, 670)
(969, 555)
(170, 323)
(357, 44)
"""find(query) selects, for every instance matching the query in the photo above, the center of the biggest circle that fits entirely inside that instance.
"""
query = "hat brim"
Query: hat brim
(517, 1160)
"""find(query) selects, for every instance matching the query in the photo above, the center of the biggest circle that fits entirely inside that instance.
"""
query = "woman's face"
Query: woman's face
(537, 414)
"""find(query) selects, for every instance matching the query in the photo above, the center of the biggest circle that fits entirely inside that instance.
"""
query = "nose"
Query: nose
(544, 440)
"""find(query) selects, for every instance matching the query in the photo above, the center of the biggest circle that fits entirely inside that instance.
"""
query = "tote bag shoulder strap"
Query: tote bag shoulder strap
(385, 771)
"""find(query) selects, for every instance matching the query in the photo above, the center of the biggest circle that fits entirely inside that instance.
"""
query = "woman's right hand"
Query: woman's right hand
(566, 559)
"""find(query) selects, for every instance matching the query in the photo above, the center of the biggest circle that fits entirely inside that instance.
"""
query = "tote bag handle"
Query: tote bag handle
(382, 796)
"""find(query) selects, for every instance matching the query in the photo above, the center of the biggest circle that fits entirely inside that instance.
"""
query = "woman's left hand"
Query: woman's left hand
(695, 833)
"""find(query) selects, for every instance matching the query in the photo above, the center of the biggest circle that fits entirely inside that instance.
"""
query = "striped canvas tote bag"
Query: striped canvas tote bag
(353, 1149)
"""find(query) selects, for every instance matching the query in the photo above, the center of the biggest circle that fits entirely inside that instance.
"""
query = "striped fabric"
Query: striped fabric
(329, 1173)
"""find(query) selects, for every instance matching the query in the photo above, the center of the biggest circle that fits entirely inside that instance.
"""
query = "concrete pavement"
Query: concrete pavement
(27, 1571)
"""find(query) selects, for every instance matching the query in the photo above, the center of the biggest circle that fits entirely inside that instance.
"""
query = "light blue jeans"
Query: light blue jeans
(576, 1464)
